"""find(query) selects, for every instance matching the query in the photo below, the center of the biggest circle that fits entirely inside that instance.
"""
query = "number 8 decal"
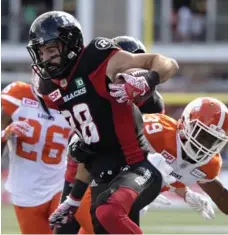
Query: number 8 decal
(83, 116)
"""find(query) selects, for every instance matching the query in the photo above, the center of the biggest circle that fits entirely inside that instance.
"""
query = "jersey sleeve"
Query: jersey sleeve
(11, 97)
(211, 169)
(102, 45)
(160, 130)
(99, 50)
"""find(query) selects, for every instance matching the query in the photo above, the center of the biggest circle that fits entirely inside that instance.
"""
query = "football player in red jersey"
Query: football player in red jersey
(80, 82)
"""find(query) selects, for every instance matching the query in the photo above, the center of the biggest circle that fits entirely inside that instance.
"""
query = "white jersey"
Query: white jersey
(161, 132)
(37, 162)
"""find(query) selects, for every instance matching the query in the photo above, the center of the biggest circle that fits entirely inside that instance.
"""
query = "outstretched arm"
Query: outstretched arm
(196, 201)
(218, 193)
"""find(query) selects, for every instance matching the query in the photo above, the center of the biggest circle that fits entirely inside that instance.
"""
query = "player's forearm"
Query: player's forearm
(160, 67)
(83, 174)
(218, 193)
(166, 67)
(122, 61)
(81, 182)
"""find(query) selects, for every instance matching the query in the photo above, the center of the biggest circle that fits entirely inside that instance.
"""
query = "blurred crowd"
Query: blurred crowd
(28, 12)
(188, 21)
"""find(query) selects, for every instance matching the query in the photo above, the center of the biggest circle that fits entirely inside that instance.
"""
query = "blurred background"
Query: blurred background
(194, 32)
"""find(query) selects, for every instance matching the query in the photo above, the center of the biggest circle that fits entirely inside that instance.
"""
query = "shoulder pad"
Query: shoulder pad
(212, 168)
(97, 53)
(101, 43)
(12, 96)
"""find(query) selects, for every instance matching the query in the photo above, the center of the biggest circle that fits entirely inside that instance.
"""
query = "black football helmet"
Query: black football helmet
(55, 27)
(129, 44)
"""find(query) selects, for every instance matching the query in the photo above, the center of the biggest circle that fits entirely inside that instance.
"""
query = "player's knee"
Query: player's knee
(111, 206)
(122, 196)
(115, 204)
(109, 216)
(97, 226)
(97, 211)
(105, 213)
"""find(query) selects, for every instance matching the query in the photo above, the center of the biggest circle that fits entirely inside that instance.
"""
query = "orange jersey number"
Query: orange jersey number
(49, 143)
(151, 124)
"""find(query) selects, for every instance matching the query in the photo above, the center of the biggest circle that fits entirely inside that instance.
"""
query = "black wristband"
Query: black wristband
(152, 78)
(78, 189)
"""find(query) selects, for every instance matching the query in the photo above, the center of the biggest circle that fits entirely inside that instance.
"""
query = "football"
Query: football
(137, 72)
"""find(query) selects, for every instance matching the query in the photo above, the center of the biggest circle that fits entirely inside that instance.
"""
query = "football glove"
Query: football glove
(199, 203)
(16, 128)
(130, 90)
(64, 213)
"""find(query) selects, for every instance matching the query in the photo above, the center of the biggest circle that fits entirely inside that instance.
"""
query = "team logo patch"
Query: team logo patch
(76, 93)
(79, 82)
(30, 103)
(93, 183)
(103, 44)
(46, 117)
(142, 179)
(168, 157)
(198, 173)
(55, 95)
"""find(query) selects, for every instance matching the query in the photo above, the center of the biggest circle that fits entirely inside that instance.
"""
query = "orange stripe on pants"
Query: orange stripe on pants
(83, 215)
(34, 220)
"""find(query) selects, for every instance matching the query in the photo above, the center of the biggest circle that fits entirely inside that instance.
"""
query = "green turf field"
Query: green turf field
(157, 221)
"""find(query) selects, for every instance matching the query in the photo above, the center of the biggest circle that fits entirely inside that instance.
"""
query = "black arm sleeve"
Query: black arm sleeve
(155, 104)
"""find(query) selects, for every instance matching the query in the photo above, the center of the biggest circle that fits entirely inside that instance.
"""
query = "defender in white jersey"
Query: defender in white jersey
(37, 139)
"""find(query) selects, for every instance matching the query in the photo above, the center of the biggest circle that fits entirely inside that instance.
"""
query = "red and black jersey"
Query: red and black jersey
(114, 131)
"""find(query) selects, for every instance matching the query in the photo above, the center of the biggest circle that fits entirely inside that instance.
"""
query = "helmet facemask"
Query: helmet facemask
(62, 31)
(48, 69)
(201, 142)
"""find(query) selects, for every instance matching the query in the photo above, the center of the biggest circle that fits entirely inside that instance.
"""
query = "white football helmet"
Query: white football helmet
(203, 129)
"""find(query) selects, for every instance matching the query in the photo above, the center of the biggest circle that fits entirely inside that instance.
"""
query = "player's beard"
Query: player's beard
(51, 69)
(52, 66)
